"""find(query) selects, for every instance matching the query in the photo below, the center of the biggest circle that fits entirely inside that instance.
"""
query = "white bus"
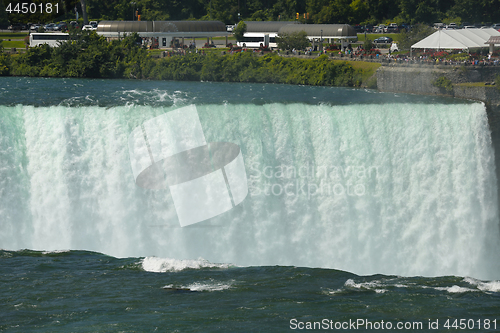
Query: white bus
(51, 38)
(255, 39)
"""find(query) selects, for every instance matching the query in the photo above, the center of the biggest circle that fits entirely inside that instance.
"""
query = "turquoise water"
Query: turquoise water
(361, 205)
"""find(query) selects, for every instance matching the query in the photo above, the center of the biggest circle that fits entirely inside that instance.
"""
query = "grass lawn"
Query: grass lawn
(16, 44)
(366, 68)
(473, 84)
(14, 35)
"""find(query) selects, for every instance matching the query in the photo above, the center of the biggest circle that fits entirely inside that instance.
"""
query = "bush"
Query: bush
(240, 30)
(368, 44)
(443, 83)
(4, 64)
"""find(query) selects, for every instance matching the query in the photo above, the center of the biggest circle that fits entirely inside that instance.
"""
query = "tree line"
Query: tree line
(310, 11)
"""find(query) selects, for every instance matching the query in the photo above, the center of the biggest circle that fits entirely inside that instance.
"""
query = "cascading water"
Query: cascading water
(407, 189)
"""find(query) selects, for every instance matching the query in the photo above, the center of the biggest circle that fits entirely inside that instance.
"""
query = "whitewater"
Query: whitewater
(368, 185)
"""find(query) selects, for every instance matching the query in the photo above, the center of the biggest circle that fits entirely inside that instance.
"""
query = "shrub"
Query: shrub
(240, 30)
(443, 83)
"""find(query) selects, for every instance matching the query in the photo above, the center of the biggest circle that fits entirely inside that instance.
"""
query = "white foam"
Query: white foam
(203, 286)
(380, 286)
(491, 286)
(455, 289)
(162, 265)
(55, 251)
(211, 286)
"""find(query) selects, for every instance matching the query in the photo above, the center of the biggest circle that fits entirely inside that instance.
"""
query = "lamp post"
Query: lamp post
(321, 42)
(133, 6)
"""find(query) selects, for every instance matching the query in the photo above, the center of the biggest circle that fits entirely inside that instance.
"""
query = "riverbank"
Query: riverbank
(90, 56)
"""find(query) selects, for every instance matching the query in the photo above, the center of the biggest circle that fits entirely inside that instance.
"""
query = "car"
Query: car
(496, 26)
(35, 27)
(452, 25)
(380, 29)
(49, 26)
(230, 27)
(88, 27)
(405, 26)
(17, 26)
(359, 28)
(393, 27)
(385, 40)
(61, 27)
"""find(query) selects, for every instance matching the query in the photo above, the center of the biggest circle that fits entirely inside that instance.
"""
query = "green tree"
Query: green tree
(417, 33)
(368, 44)
(240, 30)
(4, 20)
(296, 40)
(360, 11)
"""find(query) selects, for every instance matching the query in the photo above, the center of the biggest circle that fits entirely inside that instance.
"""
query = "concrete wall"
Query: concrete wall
(418, 79)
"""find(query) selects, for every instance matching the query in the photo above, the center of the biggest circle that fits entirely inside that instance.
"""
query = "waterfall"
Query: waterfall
(406, 189)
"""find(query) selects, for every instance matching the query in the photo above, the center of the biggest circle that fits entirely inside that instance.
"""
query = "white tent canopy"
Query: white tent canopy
(463, 39)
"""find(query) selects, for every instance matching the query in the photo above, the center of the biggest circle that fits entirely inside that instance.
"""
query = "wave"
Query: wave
(162, 265)
(452, 285)
(486, 286)
(212, 285)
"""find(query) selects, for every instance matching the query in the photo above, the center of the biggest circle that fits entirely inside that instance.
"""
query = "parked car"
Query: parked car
(229, 28)
(368, 28)
(380, 29)
(61, 27)
(17, 26)
(452, 25)
(385, 40)
(35, 27)
(496, 26)
(74, 24)
(392, 28)
(359, 28)
(49, 26)
(88, 27)
(405, 26)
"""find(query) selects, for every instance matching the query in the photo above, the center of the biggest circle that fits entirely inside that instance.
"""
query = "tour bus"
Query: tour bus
(53, 39)
(254, 40)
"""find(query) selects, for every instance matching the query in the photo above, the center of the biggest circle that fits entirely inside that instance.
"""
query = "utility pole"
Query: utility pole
(133, 11)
